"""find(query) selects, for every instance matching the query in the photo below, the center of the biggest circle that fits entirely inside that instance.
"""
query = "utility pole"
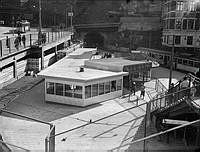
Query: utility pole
(71, 17)
(40, 22)
(66, 18)
(171, 62)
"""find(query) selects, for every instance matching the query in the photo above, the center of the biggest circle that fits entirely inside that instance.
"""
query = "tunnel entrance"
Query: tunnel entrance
(93, 39)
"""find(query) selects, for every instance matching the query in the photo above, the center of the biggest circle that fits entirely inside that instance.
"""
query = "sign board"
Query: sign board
(70, 14)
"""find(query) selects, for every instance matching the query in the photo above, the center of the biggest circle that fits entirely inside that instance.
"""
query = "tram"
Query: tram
(163, 58)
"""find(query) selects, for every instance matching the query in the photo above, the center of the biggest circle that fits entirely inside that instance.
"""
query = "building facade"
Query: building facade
(181, 26)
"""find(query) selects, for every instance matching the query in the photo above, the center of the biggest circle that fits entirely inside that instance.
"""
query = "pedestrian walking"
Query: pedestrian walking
(133, 87)
(19, 38)
(24, 40)
(142, 94)
(16, 42)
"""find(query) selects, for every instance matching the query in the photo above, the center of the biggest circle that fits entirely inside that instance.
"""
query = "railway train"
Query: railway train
(180, 62)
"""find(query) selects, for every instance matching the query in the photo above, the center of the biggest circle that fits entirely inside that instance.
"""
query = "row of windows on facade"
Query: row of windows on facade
(177, 39)
(190, 5)
(76, 91)
(185, 24)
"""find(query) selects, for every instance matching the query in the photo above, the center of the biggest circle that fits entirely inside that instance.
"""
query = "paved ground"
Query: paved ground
(93, 137)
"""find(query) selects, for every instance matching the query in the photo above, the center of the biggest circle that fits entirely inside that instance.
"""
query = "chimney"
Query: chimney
(81, 69)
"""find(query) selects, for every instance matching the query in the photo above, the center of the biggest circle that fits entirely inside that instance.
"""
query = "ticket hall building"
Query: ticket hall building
(68, 82)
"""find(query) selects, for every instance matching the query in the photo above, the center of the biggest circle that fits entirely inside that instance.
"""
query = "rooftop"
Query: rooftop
(70, 69)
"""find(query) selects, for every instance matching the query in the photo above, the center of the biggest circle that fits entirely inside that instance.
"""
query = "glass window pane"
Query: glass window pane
(68, 90)
(190, 24)
(107, 87)
(119, 84)
(185, 62)
(78, 92)
(113, 85)
(180, 61)
(50, 87)
(59, 89)
(101, 88)
(172, 24)
(177, 39)
(87, 91)
(94, 90)
(189, 40)
(185, 24)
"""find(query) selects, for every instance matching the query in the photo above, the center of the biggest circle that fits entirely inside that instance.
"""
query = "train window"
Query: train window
(185, 62)
(197, 64)
(190, 63)
(180, 61)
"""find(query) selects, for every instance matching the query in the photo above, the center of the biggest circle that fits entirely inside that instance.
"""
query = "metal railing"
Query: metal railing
(12, 45)
(139, 143)
(160, 87)
(177, 94)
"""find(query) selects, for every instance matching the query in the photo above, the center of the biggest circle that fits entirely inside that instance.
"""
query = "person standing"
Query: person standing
(142, 94)
(24, 40)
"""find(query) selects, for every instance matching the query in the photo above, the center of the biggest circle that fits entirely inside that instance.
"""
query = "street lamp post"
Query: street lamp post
(40, 22)
(171, 62)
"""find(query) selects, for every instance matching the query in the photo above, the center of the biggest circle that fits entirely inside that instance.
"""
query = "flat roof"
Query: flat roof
(117, 61)
(69, 69)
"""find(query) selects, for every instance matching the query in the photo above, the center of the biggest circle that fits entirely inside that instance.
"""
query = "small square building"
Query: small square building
(138, 71)
(68, 82)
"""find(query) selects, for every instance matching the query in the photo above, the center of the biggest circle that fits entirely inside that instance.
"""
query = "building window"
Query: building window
(191, 24)
(179, 6)
(171, 23)
(88, 91)
(50, 87)
(59, 89)
(78, 92)
(197, 24)
(192, 6)
(94, 90)
(101, 88)
(113, 85)
(178, 23)
(173, 6)
(177, 39)
(68, 90)
(189, 40)
(107, 87)
(185, 24)
(119, 84)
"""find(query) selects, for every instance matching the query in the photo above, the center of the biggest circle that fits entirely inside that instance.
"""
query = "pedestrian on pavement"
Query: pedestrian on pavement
(133, 87)
(183, 86)
(19, 38)
(24, 40)
(7, 42)
(16, 42)
(142, 94)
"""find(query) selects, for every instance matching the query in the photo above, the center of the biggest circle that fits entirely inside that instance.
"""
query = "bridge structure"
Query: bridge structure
(34, 55)
(97, 34)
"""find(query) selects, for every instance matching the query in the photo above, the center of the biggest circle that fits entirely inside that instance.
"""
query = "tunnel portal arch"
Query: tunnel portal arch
(93, 39)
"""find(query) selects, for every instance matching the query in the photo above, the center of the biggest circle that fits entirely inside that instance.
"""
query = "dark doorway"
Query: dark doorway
(93, 39)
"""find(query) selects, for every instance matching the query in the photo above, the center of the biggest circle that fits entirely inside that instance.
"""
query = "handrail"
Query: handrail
(157, 134)
(6, 143)
(23, 116)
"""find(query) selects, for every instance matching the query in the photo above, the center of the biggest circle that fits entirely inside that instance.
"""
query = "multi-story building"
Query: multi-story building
(181, 26)
(9, 11)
